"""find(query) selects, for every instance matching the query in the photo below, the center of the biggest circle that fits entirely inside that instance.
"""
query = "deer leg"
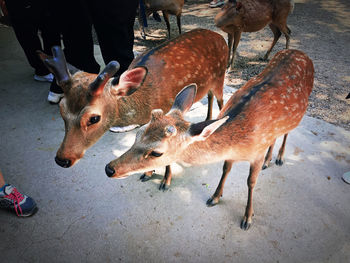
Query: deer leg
(230, 42)
(146, 176)
(286, 31)
(236, 39)
(165, 184)
(268, 156)
(219, 190)
(255, 168)
(279, 160)
(276, 35)
(178, 20)
(210, 105)
(166, 19)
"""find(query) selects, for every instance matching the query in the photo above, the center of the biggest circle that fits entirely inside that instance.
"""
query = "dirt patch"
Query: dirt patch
(320, 28)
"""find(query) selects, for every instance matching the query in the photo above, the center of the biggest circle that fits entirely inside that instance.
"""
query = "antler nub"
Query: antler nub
(97, 85)
(58, 65)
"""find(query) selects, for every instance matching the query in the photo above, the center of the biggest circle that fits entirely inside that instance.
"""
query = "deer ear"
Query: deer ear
(201, 132)
(184, 99)
(130, 81)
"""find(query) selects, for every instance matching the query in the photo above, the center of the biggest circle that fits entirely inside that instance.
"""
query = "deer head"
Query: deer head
(230, 14)
(89, 106)
(164, 139)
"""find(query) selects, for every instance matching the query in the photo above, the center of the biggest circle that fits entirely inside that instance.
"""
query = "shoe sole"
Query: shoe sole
(28, 214)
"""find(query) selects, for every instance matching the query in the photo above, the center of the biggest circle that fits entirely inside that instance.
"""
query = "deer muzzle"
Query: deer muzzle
(65, 163)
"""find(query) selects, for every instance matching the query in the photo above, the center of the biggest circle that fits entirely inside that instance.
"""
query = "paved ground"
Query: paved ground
(302, 211)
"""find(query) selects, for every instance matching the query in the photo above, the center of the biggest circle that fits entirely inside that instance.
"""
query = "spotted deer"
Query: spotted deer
(266, 107)
(94, 103)
(236, 17)
(172, 7)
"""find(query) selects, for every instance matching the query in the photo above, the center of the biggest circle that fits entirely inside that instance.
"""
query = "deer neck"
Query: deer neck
(229, 142)
(130, 110)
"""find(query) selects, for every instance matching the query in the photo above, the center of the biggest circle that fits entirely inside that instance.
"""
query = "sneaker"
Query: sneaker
(45, 78)
(14, 201)
(216, 3)
(54, 98)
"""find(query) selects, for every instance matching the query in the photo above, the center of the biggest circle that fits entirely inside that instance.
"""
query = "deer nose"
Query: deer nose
(65, 163)
(109, 171)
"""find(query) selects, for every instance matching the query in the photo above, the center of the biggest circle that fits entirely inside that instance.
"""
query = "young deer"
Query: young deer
(172, 7)
(251, 16)
(266, 107)
(92, 104)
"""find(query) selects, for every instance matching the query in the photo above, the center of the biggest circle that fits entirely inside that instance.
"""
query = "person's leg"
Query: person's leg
(114, 25)
(2, 180)
(25, 25)
(77, 39)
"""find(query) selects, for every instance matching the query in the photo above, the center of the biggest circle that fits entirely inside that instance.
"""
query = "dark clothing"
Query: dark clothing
(27, 18)
(72, 21)
(114, 24)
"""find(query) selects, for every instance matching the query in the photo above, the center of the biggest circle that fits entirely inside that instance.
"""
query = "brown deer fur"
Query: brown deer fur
(251, 16)
(266, 107)
(152, 81)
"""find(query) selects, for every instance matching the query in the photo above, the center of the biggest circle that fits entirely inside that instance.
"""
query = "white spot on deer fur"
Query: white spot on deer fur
(131, 113)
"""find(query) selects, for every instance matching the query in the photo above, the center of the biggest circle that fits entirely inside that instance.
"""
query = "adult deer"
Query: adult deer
(172, 7)
(266, 107)
(94, 103)
(253, 15)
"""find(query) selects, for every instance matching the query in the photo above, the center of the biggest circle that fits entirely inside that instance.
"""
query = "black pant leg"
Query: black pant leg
(76, 28)
(114, 22)
(25, 23)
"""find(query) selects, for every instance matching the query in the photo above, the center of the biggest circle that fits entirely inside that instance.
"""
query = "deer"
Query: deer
(172, 7)
(94, 103)
(269, 105)
(236, 17)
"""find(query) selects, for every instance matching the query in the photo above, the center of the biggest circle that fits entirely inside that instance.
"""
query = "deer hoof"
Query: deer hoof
(212, 201)
(264, 166)
(246, 224)
(145, 178)
(279, 162)
(163, 186)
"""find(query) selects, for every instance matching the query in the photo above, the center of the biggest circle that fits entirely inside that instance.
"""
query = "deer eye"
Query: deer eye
(93, 120)
(155, 154)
